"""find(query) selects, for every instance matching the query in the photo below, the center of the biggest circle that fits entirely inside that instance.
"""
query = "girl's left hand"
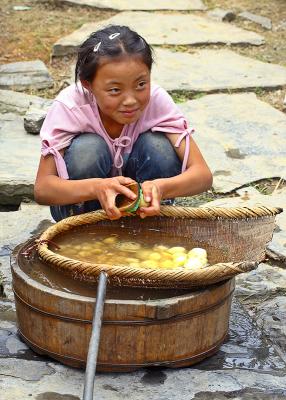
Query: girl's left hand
(153, 195)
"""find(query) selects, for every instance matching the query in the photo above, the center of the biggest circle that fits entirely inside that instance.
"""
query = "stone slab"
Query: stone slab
(267, 280)
(25, 75)
(15, 228)
(183, 5)
(212, 70)
(19, 103)
(277, 246)
(258, 19)
(33, 120)
(158, 29)
(220, 14)
(19, 159)
(242, 138)
(262, 293)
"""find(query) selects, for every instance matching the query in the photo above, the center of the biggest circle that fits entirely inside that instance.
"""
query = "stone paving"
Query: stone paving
(195, 72)
(182, 5)
(25, 75)
(243, 140)
(240, 145)
(159, 29)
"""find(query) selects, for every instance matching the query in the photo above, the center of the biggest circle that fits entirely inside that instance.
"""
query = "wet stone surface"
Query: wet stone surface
(244, 394)
(246, 347)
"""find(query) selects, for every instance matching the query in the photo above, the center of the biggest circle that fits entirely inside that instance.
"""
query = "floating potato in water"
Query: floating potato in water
(155, 256)
(134, 265)
(167, 264)
(149, 264)
(177, 249)
(96, 251)
(180, 260)
(197, 252)
(128, 246)
(194, 263)
(110, 240)
(167, 255)
(143, 254)
(83, 253)
(132, 260)
(160, 248)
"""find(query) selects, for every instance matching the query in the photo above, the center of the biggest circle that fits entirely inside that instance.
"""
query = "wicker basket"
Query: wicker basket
(235, 239)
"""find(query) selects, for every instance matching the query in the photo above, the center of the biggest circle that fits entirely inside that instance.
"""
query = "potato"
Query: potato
(193, 263)
(132, 260)
(96, 251)
(160, 248)
(197, 252)
(168, 264)
(110, 240)
(177, 249)
(143, 254)
(128, 246)
(155, 256)
(180, 260)
(149, 264)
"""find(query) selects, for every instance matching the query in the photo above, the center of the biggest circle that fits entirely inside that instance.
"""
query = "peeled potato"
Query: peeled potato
(180, 260)
(149, 264)
(143, 254)
(194, 263)
(198, 252)
(160, 248)
(129, 246)
(155, 256)
(110, 240)
(167, 264)
(177, 249)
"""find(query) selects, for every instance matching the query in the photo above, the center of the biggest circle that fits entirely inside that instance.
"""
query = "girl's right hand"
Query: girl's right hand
(106, 191)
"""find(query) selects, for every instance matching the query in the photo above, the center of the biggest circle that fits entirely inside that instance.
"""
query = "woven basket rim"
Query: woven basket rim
(130, 276)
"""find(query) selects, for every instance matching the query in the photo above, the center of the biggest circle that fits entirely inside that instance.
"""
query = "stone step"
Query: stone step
(213, 70)
(242, 138)
(140, 5)
(159, 29)
(19, 103)
(25, 75)
(19, 158)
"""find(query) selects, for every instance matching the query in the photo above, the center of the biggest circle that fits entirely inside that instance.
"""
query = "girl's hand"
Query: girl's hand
(152, 194)
(106, 191)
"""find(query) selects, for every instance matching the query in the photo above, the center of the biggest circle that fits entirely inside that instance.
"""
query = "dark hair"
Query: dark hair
(128, 42)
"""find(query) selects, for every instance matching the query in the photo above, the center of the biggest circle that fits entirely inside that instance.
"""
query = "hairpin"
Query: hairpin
(114, 35)
(96, 47)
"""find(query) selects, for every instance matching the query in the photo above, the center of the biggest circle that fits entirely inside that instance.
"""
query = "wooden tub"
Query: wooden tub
(178, 329)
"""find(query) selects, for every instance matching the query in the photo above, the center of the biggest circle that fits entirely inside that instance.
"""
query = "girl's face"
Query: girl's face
(122, 91)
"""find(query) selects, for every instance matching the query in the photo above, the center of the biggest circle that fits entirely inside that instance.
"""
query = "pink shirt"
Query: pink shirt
(75, 111)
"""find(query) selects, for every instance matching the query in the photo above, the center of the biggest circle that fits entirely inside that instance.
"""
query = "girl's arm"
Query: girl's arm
(52, 190)
(196, 179)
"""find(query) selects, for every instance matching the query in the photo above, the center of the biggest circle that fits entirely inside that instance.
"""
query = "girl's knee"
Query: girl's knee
(156, 146)
(153, 156)
(88, 156)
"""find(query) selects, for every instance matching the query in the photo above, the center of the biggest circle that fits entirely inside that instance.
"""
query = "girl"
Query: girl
(113, 127)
